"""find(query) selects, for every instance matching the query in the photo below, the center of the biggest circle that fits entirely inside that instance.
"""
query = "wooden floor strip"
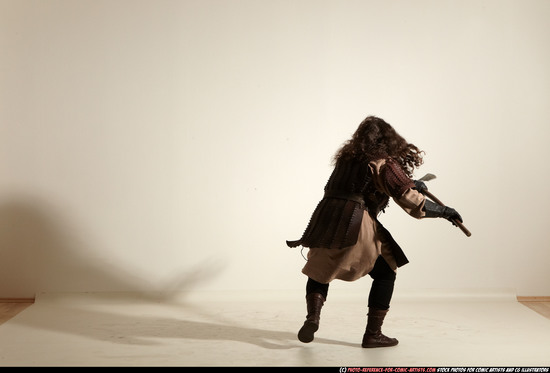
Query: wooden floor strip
(534, 299)
(16, 300)
(9, 310)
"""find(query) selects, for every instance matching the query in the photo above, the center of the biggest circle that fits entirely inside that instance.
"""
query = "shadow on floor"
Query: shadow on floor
(129, 328)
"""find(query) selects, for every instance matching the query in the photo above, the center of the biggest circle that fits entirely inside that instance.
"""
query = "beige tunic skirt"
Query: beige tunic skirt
(353, 262)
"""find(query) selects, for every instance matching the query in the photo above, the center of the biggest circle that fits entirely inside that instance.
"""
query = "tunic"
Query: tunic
(344, 235)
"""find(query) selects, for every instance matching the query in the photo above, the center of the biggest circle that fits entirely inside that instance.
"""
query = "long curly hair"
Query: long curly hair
(375, 139)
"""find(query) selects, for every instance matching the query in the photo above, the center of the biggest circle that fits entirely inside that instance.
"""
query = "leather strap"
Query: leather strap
(356, 197)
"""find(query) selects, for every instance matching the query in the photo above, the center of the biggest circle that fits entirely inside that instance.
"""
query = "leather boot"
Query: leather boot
(373, 336)
(314, 302)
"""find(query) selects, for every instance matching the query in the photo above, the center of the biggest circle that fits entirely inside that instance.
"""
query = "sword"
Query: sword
(431, 196)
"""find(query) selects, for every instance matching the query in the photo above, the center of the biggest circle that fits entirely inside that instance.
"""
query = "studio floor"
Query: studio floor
(247, 330)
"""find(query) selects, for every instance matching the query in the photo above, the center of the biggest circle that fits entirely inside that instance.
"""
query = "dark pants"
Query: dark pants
(381, 291)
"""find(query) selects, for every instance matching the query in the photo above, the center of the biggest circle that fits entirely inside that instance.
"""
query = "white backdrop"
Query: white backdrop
(176, 145)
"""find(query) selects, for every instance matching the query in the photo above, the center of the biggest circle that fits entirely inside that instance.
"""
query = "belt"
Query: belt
(356, 197)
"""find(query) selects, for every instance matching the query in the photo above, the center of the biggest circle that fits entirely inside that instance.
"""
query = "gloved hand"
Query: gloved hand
(434, 210)
(420, 186)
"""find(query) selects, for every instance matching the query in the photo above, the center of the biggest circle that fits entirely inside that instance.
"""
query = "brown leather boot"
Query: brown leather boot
(373, 336)
(314, 302)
